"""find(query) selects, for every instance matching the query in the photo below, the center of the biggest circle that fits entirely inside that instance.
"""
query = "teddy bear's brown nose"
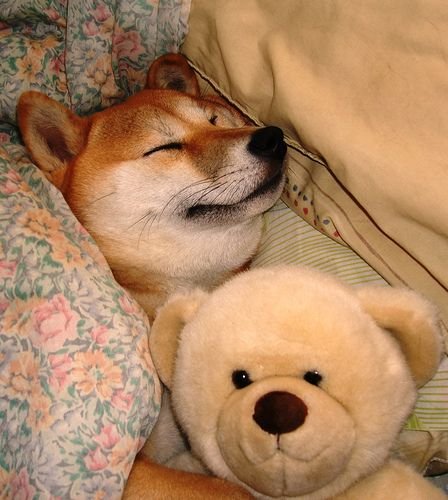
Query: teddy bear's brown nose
(279, 412)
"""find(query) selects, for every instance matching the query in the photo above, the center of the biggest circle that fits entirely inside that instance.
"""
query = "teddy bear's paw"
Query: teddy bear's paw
(186, 462)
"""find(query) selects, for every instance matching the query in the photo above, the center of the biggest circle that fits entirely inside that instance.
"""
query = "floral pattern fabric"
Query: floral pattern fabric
(78, 391)
(87, 54)
(78, 395)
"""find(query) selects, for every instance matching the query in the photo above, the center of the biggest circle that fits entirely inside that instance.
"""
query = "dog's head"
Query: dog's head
(165, 153)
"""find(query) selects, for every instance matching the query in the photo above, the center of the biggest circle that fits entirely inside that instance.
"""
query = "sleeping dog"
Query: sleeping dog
(172, 186)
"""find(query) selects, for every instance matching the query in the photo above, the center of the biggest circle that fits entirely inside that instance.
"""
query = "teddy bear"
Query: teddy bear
(293, 384)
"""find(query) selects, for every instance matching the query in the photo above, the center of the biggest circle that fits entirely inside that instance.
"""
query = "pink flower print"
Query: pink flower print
(52, 14)
(54, 323)
(4, 138)
(95, 460)
(101, 13)
(57, 63)
(128, 305)
(60, 365)
(90, 28)
(108, 437)
(7, 269)
(121, 400)
(100, 334)
(4, 304)
(14, 176)
(13, 180)
(9, 188)
(21, 489)
(128, 44)
(123, 454)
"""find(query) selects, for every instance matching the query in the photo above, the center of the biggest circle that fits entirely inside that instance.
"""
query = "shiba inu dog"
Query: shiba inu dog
(170, 184)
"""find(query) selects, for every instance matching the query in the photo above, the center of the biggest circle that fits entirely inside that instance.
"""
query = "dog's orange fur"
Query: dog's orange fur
(165, 182)
(150, 480)
(170, 184)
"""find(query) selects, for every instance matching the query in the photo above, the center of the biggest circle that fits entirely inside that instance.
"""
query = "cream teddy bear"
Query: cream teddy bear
(294, 385)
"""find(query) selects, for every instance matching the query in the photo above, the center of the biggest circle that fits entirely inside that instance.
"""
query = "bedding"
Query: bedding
(78, 393)
(78, 390)
(361, 93)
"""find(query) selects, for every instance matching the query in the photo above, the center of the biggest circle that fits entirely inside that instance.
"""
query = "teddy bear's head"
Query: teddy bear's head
(290, 382)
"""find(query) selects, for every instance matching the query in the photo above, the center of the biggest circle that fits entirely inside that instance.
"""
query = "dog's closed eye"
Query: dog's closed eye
(171, 145)
(213, 119)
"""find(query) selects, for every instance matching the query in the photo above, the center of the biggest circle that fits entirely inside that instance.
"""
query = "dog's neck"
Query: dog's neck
(179, 257)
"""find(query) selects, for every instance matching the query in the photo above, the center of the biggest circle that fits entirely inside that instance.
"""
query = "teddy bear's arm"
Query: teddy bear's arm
(395, 480)
(165, 441)
(187, 462)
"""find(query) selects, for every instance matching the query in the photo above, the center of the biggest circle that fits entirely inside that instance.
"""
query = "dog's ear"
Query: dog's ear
(52, 134)
(172, 71)
(412, 321)
(166, 329)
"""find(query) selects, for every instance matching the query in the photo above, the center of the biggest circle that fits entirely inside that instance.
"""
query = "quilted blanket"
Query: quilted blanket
(78, 392)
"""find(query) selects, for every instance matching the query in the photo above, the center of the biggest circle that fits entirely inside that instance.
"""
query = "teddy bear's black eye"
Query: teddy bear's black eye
(313, 377)
(241, 379)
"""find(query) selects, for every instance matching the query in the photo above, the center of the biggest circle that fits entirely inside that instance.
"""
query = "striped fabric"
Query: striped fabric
(289, 239)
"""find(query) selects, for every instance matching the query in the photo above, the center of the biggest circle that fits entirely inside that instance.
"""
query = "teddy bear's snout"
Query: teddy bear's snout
(279, 412)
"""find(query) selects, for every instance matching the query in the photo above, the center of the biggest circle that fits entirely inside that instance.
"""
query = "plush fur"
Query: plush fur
(294, 385)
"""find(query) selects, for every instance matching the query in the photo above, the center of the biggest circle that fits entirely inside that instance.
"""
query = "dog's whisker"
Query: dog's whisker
(100, 198)
(150, 221)
(237, 185)
(143, 217)
(157, 217)
(226, 189)
(194, 195)
(194, 184)
(205, 192)
(197, 183)
(207, 186)
(222, 189)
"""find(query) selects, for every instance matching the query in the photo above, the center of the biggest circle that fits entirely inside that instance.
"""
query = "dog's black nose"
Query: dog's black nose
(268, 142)
(279, 412)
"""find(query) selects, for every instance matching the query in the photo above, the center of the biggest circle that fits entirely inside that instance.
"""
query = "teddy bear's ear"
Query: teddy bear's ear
(413, 321)
(168, 324)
